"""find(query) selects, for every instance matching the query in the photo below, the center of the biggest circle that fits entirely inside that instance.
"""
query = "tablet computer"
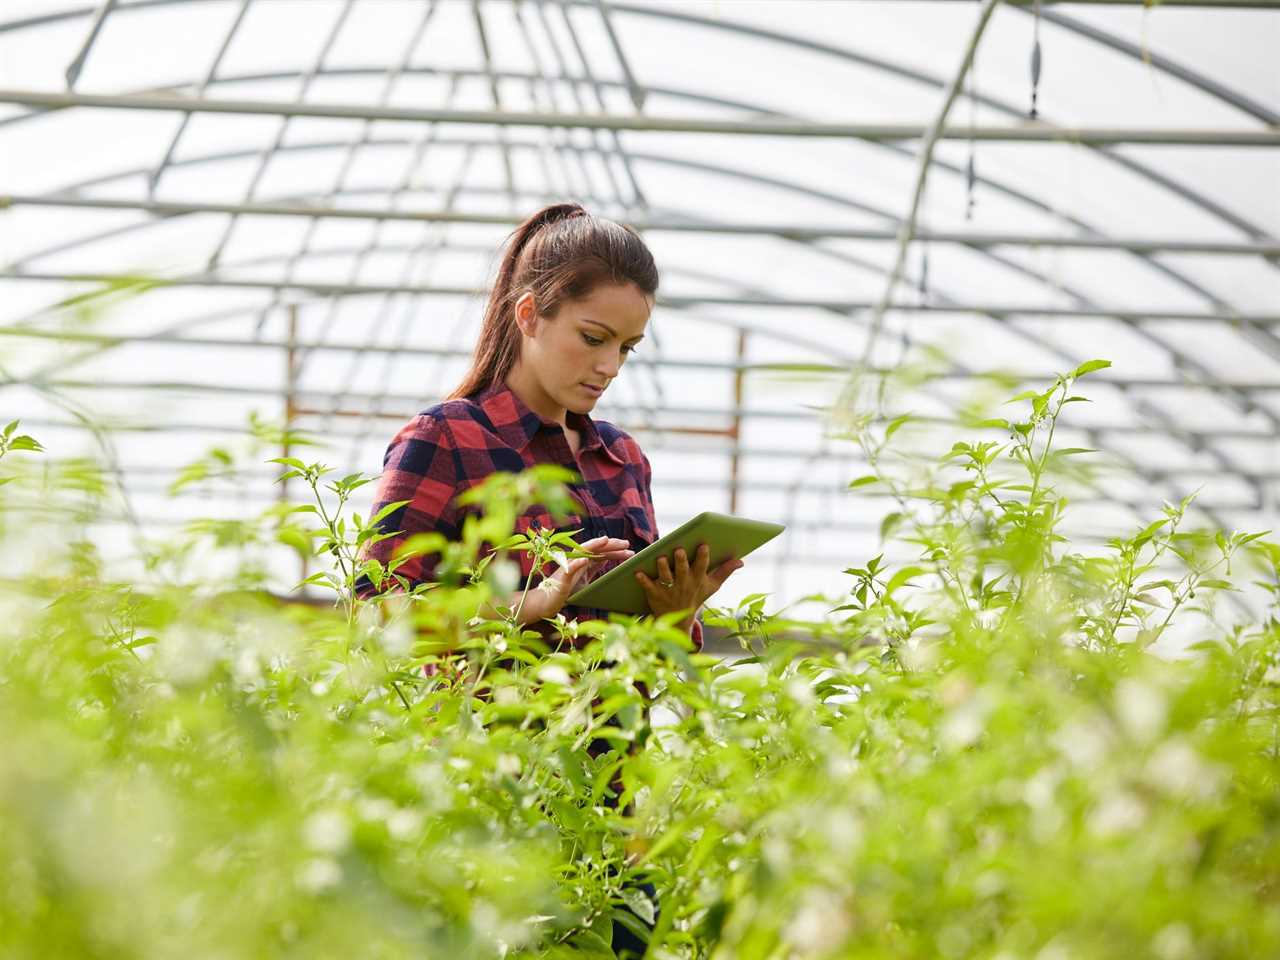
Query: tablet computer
(725, 536)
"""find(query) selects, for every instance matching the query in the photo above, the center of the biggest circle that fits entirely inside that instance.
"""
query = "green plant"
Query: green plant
(988, 748)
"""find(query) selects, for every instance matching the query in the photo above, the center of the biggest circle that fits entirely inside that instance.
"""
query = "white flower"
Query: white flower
(1177, 767)
(1039, 790)
(319, 873)
(800, 691)
(1119, 812)
(1173, 942)
(1085, 743)
(186, 655)
(1142, 709)
(964, 723)
(844, 832)
(554, 673)
(375, 808)
(1054, 950)
(819, 926)
(397, 637)
(246, 667)
(404, 824)
(504, 576)
(327, 832)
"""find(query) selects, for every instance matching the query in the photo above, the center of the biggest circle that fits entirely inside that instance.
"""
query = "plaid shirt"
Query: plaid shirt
(452, 446)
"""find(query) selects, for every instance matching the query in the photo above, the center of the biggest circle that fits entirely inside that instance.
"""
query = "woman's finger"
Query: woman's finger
(682, 564)
(664, 570)
(603, 544)
(701, 560)
(723, 571)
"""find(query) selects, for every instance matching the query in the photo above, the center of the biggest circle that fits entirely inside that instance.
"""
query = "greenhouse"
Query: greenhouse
(337, 620)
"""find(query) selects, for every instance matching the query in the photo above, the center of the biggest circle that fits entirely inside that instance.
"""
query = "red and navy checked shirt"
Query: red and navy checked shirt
(454, 445)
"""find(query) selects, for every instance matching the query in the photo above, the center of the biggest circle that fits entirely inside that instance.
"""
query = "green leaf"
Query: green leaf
(639, 903)
(890, 523)
(23, 442)
(901, 577)
(289, 462)
(386, 511)
(590, 944)
(1089, 366)
(1216, 584)
(298, 539)
(867, 480)
(1024, 395)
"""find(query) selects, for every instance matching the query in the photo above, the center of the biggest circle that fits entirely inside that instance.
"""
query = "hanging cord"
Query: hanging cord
(1035, 63)
(970, 167)
(923, 282)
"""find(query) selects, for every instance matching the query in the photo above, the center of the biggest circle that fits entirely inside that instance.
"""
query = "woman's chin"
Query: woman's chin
(583, 401)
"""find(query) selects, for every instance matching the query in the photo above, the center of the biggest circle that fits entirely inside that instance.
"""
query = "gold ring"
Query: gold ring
(667, 583)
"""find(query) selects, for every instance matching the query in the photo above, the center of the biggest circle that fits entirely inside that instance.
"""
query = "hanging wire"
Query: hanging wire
(970, 167)
(922, 285)
(1035, 63)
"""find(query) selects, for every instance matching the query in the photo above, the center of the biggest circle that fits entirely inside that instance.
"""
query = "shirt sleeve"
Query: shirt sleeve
(646, 496)
(420, 466)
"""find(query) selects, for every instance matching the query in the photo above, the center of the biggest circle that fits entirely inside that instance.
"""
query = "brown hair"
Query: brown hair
(560, 253)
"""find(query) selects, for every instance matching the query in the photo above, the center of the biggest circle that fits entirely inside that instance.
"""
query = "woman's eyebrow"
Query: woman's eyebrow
(609, 328)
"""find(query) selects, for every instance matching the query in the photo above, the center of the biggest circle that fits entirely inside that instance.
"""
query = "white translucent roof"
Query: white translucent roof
(328, 180)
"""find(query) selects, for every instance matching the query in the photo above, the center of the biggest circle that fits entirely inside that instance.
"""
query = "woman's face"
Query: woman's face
(583, 346)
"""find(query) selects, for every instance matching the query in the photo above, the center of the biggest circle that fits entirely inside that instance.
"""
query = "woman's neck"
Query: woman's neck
(535, 398)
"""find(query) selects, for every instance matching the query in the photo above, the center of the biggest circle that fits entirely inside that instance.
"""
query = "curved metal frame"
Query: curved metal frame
(1264, 245)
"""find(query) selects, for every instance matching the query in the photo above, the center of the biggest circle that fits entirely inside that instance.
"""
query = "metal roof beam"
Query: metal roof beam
(725, 366)
(184, 427)
(307, 397)
(1002, 311)
(173, 208)
(1139, 506)
(1031, 132)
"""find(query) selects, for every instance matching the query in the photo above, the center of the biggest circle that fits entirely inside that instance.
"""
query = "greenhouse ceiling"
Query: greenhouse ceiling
(291, 208)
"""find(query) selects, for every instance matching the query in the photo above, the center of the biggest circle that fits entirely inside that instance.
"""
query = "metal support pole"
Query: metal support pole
(291, 410)
(1031, 132)
(735, 431)
(174, 208)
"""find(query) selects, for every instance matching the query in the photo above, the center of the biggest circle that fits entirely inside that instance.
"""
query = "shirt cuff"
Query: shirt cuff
(695, 632)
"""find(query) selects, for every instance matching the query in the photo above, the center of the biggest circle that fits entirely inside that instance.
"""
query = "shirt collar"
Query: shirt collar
(516, 423)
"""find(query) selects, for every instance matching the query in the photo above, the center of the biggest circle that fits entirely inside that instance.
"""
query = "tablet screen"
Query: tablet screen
(725, 535)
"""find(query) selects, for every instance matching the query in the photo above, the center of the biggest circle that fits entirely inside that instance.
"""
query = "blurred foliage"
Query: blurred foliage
(978, 753)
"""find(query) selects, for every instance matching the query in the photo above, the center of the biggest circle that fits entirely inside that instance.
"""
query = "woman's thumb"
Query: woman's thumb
(570, 572)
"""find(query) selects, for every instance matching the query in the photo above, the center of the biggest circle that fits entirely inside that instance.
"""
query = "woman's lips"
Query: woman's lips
(594, 391)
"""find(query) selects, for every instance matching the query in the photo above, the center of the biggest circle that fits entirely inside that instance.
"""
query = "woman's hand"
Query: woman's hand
(688, 588)
(549, 597)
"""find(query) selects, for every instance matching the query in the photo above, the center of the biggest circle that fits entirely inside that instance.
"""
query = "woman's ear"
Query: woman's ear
(526, 311)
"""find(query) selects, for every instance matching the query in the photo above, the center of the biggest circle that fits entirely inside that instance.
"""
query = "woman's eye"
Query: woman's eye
(596, 341)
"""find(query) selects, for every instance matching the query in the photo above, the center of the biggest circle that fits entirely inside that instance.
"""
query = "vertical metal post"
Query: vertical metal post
(735, 432)
(290, 399)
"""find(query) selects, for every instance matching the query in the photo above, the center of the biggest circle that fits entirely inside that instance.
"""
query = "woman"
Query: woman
(571, 300)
